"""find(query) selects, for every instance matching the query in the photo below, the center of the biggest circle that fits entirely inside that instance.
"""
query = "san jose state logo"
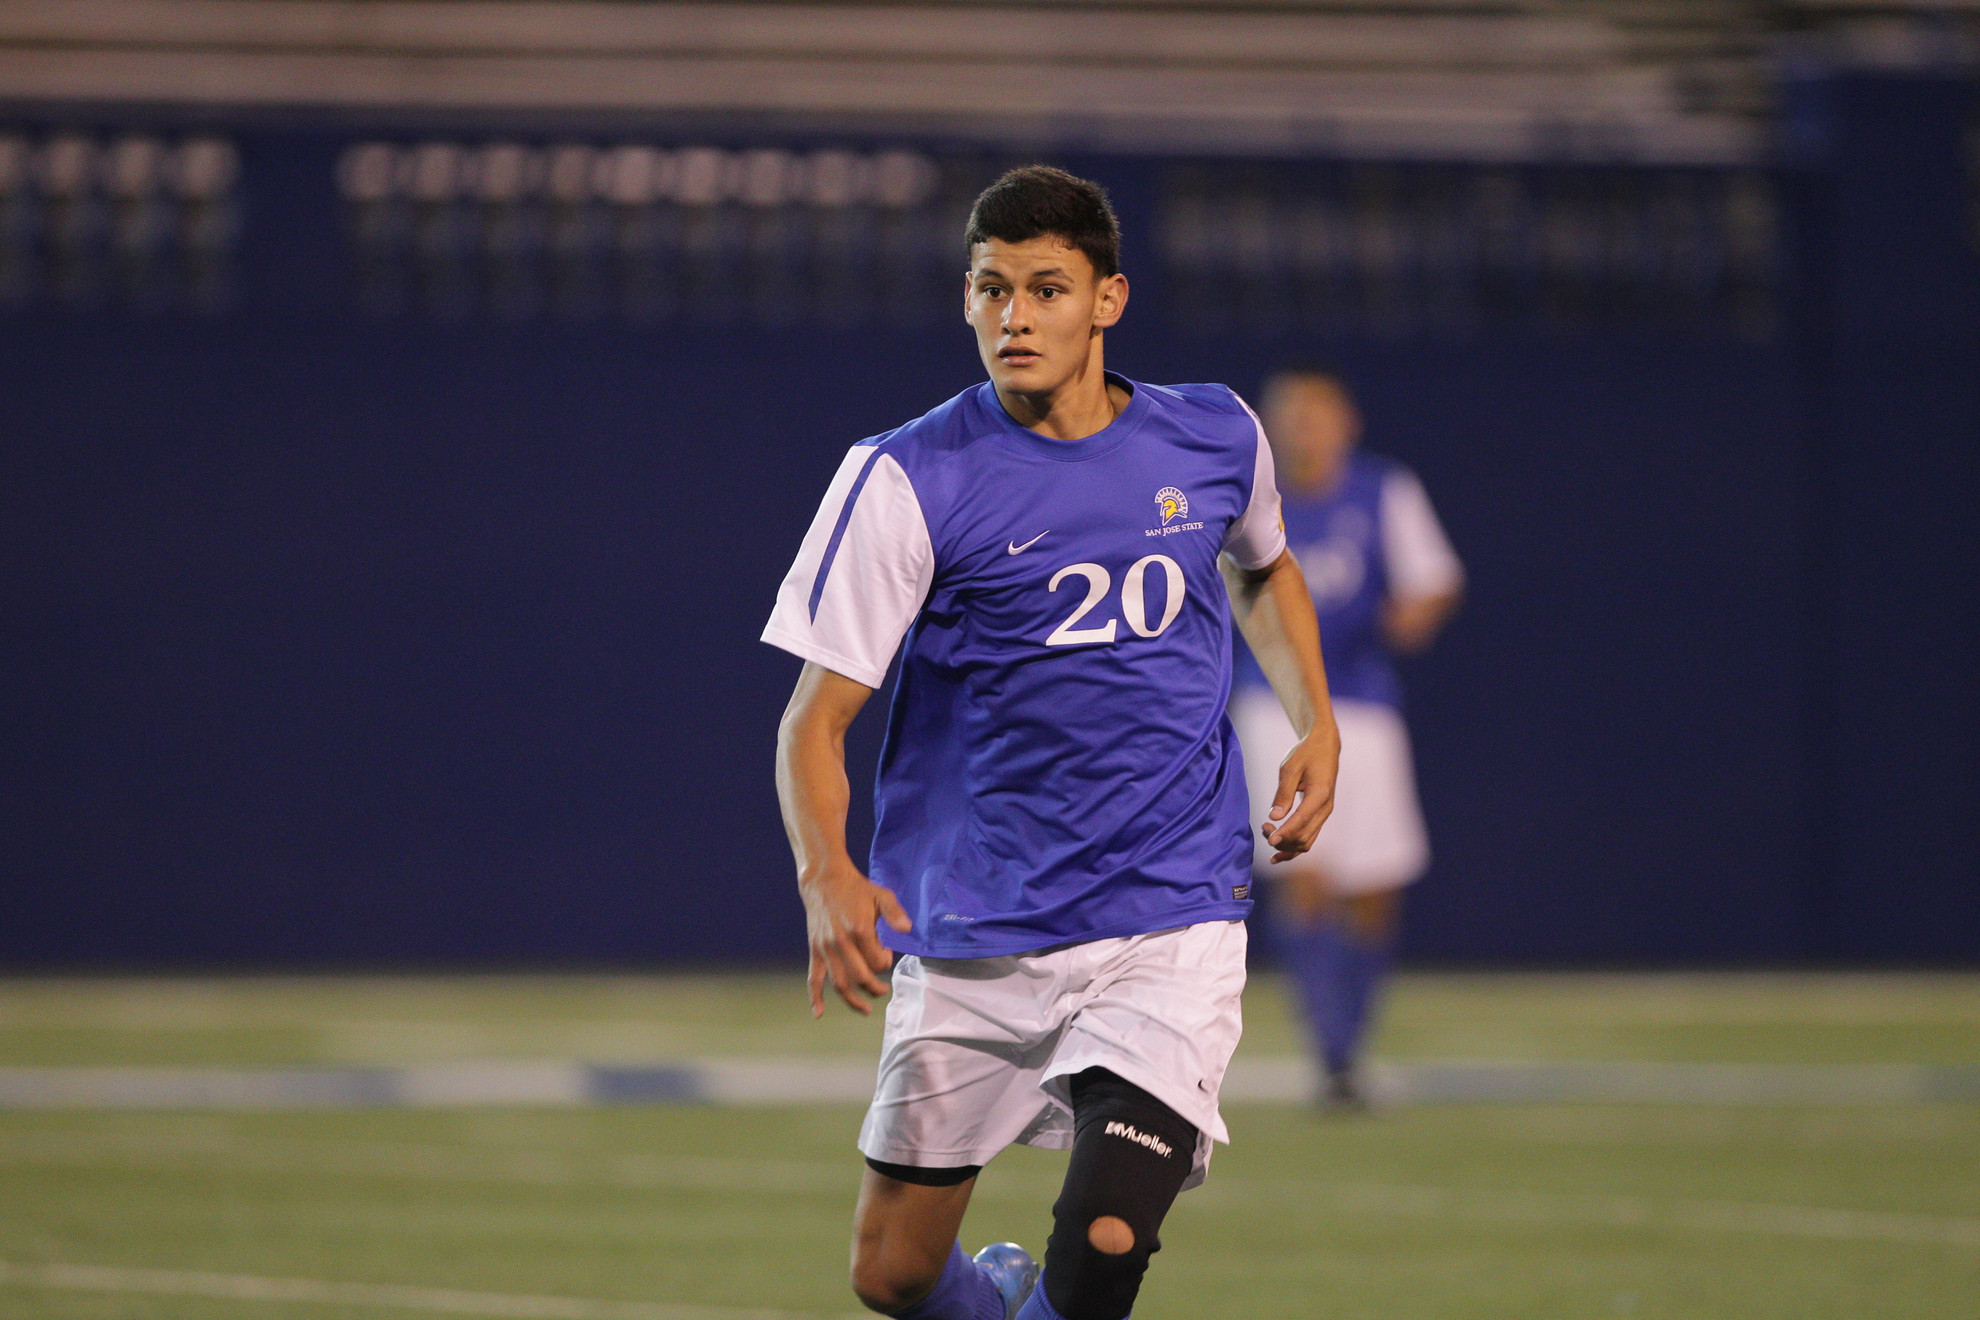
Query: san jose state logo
(1172, 504)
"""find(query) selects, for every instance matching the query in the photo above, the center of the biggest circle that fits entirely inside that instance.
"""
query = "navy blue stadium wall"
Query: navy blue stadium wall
(355, 616)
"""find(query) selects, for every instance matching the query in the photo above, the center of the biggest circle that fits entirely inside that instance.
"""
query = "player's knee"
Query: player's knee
(886, 1278)
(889, 1286)
(1130, 1157)
(1110, 1234)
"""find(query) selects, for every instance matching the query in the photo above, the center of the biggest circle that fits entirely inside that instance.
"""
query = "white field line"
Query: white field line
(321, 1292)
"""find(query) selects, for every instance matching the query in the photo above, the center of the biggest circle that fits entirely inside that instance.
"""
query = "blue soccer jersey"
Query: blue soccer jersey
(1373, 537)
(1058, 766)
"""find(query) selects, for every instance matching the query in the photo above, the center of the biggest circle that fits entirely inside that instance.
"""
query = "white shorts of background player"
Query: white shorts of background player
(979, 1053)
(1375, 840)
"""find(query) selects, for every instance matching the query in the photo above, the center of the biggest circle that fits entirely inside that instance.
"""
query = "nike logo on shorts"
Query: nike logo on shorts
(1019, 549)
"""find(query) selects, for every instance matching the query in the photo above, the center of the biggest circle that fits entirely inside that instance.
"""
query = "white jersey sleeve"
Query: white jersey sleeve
(1420, 559)
(1259, 535)
(862, 573)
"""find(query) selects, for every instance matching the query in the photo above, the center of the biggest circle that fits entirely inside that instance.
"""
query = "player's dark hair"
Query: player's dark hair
(1034, 200)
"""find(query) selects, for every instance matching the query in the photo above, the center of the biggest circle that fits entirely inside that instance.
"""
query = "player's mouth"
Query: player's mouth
(1017, 356)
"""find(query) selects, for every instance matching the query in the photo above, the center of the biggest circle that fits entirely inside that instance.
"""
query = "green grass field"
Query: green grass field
(1514, 1212)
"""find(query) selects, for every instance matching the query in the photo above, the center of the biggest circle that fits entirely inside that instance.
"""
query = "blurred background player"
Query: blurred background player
(1384, 581)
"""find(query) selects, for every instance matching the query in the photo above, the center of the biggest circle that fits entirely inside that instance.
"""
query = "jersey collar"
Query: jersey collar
(1105, 440)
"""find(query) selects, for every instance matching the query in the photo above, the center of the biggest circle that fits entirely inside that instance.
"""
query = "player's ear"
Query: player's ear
(1111, 301)
(969, 287)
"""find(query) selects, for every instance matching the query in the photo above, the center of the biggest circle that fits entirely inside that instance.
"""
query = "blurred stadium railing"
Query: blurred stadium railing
(1671, 81)
(1615, 154)
(1684, 81)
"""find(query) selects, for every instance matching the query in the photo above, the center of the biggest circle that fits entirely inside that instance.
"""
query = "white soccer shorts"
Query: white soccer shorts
(979, 1053)
(1375, 840)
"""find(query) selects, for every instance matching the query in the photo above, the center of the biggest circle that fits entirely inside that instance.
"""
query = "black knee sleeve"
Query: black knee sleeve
(1130, 1156)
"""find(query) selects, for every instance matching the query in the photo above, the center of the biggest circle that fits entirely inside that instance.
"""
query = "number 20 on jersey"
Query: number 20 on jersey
(1134, 600)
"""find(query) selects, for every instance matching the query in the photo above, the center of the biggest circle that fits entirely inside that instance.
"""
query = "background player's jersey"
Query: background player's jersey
(1374, 537)
(1057, 766)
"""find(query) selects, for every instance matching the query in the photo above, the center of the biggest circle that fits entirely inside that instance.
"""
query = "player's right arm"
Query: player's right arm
(858, 581)
(841, 906)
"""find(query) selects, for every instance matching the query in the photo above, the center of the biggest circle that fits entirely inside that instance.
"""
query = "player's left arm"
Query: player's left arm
(1426, 581)
(1274, 611)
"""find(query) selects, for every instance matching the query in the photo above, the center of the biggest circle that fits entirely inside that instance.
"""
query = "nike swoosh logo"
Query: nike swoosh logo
(1019, 549)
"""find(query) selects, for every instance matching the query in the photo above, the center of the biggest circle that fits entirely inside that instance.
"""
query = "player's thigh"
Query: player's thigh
(911, 1217)
(1374, 914)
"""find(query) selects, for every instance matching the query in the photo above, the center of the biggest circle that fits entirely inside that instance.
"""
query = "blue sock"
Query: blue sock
(962, 1293)
(1039, 1307)
(1321, 959)
(1368, 965)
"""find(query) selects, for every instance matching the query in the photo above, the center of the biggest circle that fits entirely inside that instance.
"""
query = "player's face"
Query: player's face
(1313, 426)
(1038, 310)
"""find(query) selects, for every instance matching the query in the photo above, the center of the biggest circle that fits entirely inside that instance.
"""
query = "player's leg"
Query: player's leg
(1390, 849)
(1370, 920)
(1374, 845)
(1338, 960)
(906, 1261)
(1358, 939)
(1131, 1155)
(1302, 908)
(953, 1090)
(1316, 950)
(1139, 1067)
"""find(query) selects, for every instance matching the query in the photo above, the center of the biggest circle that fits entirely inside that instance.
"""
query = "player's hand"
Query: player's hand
(1306, 793)
(842, 909)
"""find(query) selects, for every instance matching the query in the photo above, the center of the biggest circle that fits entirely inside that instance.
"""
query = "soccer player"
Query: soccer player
(1384, 581)
(1061, 853)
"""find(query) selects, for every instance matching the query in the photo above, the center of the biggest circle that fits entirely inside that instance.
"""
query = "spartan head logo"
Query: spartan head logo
(1173, 504)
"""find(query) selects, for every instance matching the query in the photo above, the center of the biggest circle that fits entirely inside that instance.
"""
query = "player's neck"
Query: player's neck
(1084, 405)
(1320, 481)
